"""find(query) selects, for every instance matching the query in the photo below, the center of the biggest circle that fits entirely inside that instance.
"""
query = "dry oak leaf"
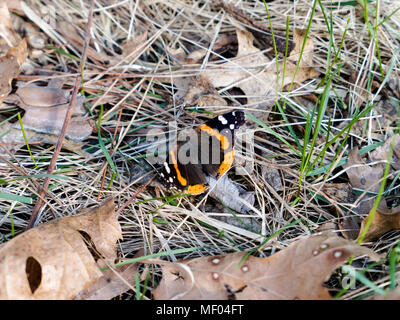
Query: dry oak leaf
(384, 220)
(45, 109)
(256, 75)
(296, 272)
(52, 260)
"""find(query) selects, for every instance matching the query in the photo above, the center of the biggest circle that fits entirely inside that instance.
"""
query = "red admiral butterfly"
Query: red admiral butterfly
(213, 155)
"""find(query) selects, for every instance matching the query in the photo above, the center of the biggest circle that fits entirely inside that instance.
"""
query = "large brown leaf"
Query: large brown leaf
(297, 272)
(52, 261)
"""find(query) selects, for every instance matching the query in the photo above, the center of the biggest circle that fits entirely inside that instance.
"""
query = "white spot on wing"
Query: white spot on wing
(223, 120)
(167, 167)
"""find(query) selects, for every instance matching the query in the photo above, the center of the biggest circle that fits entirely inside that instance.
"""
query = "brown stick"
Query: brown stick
(68, 115)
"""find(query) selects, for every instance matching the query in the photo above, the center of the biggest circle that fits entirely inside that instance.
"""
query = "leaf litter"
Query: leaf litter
(251, 71)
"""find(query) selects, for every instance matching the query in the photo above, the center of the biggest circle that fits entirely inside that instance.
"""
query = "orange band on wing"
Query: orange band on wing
(226, 164)
(196, 189)
(212, 132)
(181, 179)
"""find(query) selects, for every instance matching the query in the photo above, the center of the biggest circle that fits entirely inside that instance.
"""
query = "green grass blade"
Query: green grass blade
(363, 279)
(103, 146)
(26, 140)
(14, 197)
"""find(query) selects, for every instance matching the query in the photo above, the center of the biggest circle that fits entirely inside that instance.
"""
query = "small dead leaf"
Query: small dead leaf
(350, 226)
(52, 261)
(224, 43)
(10, 66)
(201, 93)
(389, 111)
(111, 284)
(384, 220)
(46, 108)
(273, 177)
(134, 44)
(15, 52)
(364, 177)
(71, 32)
(361, 175)
(340, 192)
(228, 192)
(259, 29)
(394, 84)
(296, 272)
